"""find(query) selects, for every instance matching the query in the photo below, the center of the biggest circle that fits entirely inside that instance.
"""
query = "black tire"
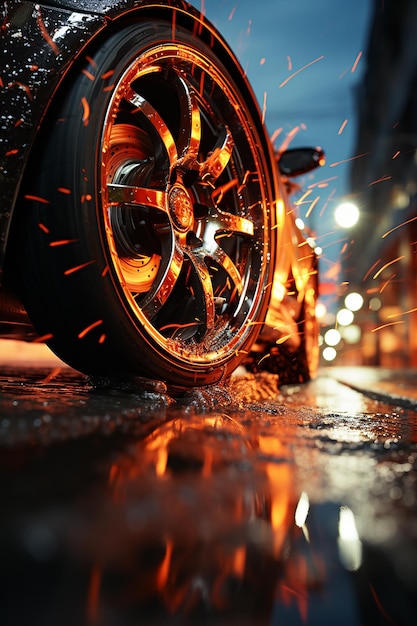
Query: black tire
(149, 213)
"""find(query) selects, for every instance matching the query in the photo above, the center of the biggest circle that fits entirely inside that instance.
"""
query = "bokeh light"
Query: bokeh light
(332, 337)
(344, 317)
(351, 334)
(346, 214)
(329, 354)
(354, 301)
(375, 304)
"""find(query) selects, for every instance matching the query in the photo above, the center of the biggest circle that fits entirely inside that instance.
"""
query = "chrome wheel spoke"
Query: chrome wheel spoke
(232, 223)
(218, 159)
(163, 285)
(205, 298)
(190, 135)
(152, 117)
(142, 196)
(226, 263)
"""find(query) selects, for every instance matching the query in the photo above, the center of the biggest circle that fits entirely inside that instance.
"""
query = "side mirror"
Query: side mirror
(297, 161)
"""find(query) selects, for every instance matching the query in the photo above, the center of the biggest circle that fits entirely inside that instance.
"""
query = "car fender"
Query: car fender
(39, 45)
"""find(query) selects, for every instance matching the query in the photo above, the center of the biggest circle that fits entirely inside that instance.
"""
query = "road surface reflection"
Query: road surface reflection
(245, 506)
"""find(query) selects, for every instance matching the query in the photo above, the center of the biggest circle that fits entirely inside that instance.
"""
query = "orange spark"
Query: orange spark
(43, 338)
(334, 270)
(300, 70)
(396, 154)
(370, 270)
(93, 594)
(232, 12)
(290, 136)
(402, 313)
(380, 180)
(342, 127)
(218, 193)
(311, 207)
(46, 35)
(385, 266)
(84, 332)
(51, 375)
(266, 356)
(86, 110)
(275, 134)
(62, 242)
(91, 61)
(164, 568)
(374, 330)
(264, 108)
(289, 61)
(380, 607)
(386, 283)
(89, 75)
(399, 226)
(107, 74)
(44, 228)
(333, 243)
(262, 61)
(303, 197)
(323, 182)
(283, 339)
(12, 152)
(77, 267)
(355, 65)
(330, 197)
(64, 190)
(25, 88)
(36, 198)
(358, 156)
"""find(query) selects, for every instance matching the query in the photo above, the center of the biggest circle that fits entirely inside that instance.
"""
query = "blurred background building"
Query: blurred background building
(382, 260)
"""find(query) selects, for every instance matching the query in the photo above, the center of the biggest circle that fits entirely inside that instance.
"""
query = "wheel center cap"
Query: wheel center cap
(181, 208)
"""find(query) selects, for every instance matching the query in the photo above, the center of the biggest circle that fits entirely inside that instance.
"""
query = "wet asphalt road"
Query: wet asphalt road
(123, 504)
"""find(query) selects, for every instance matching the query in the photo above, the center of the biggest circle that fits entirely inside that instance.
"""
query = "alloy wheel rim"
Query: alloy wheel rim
(184, 203)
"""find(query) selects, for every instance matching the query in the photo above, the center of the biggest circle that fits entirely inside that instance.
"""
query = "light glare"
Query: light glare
(346, 214)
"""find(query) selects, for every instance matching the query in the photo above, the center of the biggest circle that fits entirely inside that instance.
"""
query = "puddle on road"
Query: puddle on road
(224, 507)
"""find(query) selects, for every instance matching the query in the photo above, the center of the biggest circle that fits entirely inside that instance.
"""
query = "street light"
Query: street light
(346, 214)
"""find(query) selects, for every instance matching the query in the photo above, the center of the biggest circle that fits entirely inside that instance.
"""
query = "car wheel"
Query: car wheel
(148, 213)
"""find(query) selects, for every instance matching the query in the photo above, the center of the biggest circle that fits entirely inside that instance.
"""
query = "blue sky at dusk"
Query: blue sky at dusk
(275, 39)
